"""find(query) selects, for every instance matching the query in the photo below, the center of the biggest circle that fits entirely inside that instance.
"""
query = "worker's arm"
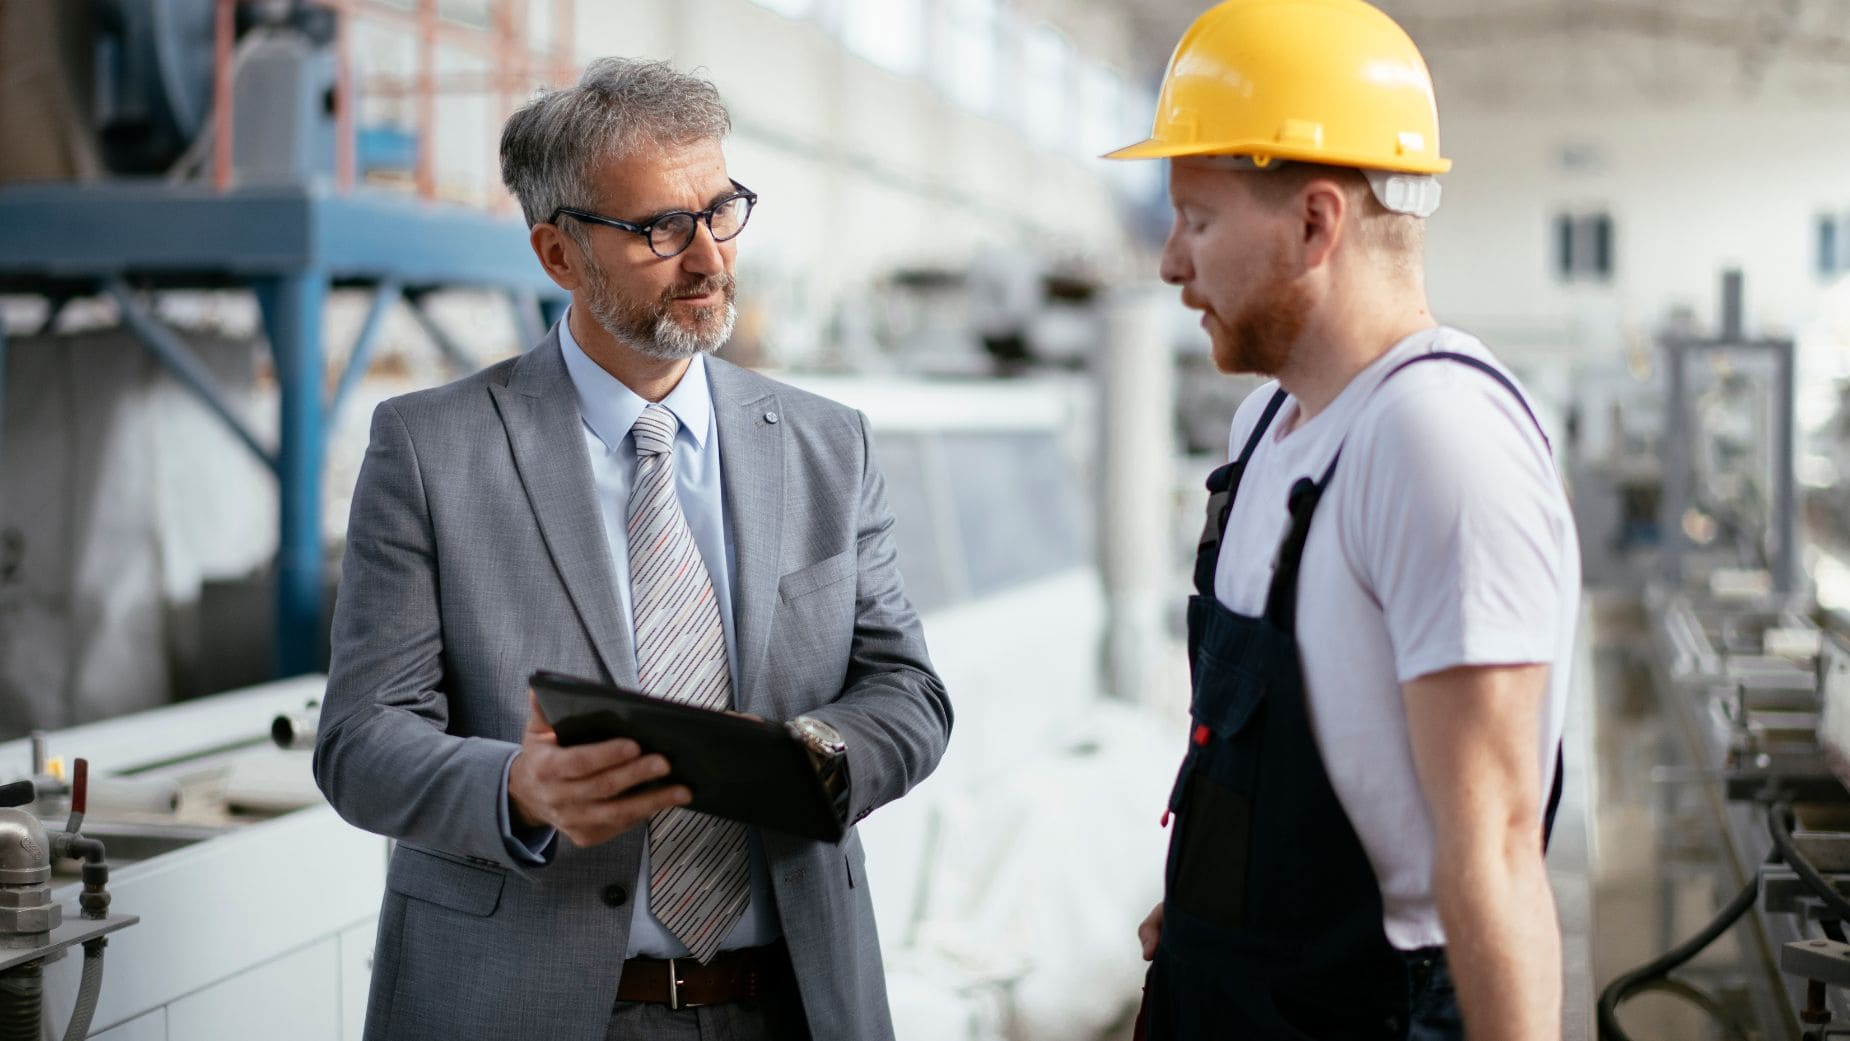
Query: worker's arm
(1473, 731)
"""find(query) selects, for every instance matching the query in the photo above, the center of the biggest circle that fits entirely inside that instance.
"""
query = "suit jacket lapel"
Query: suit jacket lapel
(751, 447)
(540, 411)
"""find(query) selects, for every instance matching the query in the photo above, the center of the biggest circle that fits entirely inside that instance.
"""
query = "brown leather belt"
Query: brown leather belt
(736, 975)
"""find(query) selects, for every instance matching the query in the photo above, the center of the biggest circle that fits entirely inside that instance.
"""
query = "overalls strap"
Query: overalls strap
(1223, 485)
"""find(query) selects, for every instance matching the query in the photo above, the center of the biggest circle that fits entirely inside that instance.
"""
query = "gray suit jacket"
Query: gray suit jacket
(475, 555)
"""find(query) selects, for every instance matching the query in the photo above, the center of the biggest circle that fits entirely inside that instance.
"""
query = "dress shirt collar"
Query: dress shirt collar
(609, 408)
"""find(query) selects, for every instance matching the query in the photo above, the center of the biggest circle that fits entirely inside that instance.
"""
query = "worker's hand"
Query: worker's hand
(584, 791)
(1150, 931)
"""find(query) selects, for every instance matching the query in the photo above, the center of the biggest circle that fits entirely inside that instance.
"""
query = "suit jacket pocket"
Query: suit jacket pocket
(446, 880)
(820, 575)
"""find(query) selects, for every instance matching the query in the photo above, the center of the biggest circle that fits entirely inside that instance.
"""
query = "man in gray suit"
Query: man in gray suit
(618, 503)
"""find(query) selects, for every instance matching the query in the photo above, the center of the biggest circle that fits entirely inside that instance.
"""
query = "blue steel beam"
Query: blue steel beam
(292, 306)
(172, 352)
(385, 294)
(452, 351)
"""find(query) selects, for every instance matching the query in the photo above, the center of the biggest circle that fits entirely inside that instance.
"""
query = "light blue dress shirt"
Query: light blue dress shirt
(609, 409)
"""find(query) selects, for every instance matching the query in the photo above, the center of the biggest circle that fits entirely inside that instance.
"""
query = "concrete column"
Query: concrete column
(1137, 380)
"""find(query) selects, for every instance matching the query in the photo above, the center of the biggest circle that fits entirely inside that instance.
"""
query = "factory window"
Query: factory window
(889, 33)
(1583, 247)
(1018, 514)
(910, 482)
(1833, 244)
(967, 69)
(1046, 63)
(1101, 110)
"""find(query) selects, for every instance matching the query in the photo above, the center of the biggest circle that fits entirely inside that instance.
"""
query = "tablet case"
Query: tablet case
(742, 769)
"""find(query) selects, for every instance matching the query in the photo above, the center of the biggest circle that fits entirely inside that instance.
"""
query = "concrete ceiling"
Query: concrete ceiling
(1529, 54)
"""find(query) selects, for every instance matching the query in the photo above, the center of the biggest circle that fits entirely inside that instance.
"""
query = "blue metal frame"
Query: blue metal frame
(290, 245)
(385, 294)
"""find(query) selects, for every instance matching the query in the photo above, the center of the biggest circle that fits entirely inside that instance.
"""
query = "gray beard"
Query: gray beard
(665, 339)
(672, 341)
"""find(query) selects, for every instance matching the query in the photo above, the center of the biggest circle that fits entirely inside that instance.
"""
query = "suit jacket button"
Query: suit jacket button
(615, 895)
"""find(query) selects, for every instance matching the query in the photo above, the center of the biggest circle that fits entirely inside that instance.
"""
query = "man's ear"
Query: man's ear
(1323, 209)
(558, 255)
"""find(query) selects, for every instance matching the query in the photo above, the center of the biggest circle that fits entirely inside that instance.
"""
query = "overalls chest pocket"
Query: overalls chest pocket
(1236, 666)
(1232, 666)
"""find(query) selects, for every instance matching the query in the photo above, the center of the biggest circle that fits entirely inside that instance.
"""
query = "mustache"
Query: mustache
(719, 283)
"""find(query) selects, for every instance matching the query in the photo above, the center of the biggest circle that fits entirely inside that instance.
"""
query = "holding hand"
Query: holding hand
(1150, 931)
(587, 792)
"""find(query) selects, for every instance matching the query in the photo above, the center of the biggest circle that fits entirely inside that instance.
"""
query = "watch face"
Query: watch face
(819, 735)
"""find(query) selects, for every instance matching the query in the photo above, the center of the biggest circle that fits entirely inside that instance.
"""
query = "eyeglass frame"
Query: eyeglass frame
(646, 228)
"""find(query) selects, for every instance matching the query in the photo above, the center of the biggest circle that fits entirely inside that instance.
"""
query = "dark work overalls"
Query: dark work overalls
(1272, 916)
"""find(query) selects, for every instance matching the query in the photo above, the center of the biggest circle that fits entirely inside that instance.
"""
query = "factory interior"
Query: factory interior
(231, 229)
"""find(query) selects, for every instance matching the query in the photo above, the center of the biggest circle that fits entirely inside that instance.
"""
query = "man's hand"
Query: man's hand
(585, 791)
(1150, 931)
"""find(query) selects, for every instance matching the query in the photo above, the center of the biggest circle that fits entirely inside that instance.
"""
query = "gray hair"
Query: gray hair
(551, 145)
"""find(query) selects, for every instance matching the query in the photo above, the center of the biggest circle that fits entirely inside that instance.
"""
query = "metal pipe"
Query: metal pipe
(173, 353)
(292, 731)
(426, 99)
(1677, 476)
(222, 28)
(344, 146)
(1788, 567)
(1731, 306)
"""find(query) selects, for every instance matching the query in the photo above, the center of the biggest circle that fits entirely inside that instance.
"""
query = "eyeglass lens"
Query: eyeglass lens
(675, 233)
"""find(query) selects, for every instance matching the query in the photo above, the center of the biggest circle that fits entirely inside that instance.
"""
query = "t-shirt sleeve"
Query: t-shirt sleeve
(1458, 527)
(1247, 416)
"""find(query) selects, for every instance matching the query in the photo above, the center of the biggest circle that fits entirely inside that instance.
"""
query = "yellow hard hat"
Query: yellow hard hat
(1324, 81)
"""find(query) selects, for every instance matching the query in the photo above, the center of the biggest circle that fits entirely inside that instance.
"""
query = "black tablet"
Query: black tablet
(742, 769)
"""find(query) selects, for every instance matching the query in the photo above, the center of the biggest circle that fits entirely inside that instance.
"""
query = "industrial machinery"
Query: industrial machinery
(33, 929)
(1753, 683)
(215, 145)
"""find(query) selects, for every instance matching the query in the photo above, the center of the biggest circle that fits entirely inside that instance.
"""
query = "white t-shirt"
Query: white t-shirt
(1444, 539)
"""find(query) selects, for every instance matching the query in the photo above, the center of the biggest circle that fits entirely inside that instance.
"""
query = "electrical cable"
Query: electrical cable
(1788, 851)
(1628, 983)
(1730, 1025)
(1649, 974)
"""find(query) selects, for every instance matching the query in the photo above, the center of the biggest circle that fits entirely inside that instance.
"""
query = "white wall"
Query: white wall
(1689, 193)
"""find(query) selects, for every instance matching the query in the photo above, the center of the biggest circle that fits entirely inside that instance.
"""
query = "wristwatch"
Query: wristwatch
(828, 752)
(820, 738)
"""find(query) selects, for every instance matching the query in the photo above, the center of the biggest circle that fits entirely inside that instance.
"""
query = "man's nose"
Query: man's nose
(1175, 268)
(704, 255)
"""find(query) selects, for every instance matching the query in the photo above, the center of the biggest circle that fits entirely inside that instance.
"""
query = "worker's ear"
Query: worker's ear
(1322, 209)
(559, 255)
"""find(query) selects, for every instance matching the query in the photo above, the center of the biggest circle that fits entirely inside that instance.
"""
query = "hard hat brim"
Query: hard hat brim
(1157, 148)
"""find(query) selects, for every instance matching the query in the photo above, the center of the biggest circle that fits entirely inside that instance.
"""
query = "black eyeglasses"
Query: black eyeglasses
(671, 233)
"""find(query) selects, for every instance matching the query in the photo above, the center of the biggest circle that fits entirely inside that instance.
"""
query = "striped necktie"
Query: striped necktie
(699, 880)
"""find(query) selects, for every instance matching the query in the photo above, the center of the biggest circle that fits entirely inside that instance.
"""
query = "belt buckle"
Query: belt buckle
(675, 1004)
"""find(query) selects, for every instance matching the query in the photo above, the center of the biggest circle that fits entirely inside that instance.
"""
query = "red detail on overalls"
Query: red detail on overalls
(1202, 733)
